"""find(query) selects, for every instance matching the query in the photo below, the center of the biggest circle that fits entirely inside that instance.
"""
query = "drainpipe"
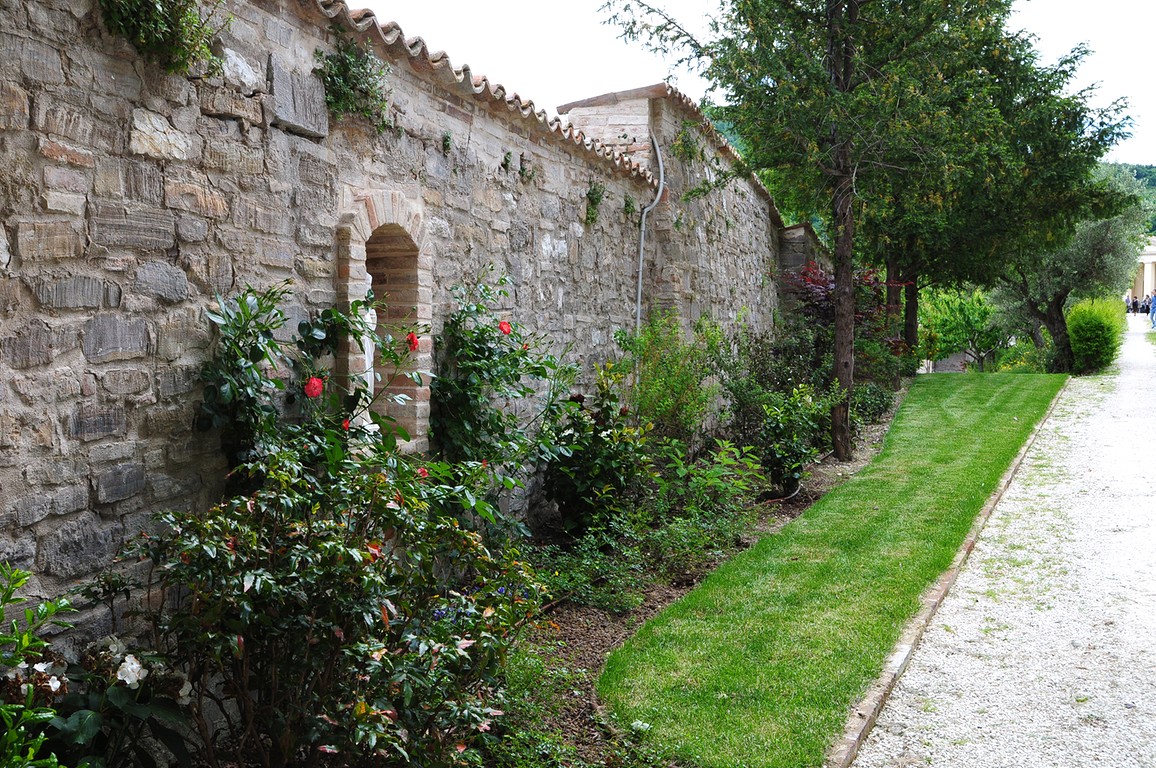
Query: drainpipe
(642, 231)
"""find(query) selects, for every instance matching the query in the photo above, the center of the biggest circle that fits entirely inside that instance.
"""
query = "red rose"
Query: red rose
(411, 340)
(314, 386)
(345, 425)
(423, 472)
(505, 328)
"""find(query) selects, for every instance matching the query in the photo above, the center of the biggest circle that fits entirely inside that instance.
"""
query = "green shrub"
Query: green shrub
(668, 384)
(173, 33)
(870, 402)
(338, 605)
(793, 426)
(29, 682)
(1096, 329)
(601, 463)
(698, 508)
(355, 81)
(1023, 356)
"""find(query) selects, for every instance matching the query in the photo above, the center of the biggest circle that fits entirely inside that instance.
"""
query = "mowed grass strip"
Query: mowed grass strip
(760, 665)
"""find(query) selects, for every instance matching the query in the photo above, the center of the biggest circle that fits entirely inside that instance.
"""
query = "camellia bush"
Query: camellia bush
(335, 604)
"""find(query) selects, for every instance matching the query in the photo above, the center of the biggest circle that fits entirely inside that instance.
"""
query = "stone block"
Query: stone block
(298, 101)
(192, 229)
(56, 471)
(242, 73)
(64, 120)
(99, 72)
(125, 381)
(5, 250)
(41, 62)
(129, 180)
(174, 421)
(63, 153)
(109, 337)
(77, 292)
(153, 135)
(235, 158)
(178, 380)
(119, 483)
(165, 487)
(80, 546)
(11, 290)
(65, 202)
(115, 225)
(30, 346)
(162, 281)
(226, 102)
(265, 214)
(13, 107)
(38, 241)
(190, 191)
(66, 179)
(19, 552)
(181, 333)
(92, 422)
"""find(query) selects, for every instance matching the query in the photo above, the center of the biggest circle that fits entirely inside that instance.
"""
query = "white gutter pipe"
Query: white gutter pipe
(642, 231)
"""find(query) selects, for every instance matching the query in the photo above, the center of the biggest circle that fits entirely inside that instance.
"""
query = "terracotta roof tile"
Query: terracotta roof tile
(494, 95)
(464, 82)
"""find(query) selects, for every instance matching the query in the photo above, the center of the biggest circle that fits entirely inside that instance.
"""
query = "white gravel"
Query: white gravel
(1044, 653)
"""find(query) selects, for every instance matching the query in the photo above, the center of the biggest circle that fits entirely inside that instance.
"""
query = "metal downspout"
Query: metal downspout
(642, 231)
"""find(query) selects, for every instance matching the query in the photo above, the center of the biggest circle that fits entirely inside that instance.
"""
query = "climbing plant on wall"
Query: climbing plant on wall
(355, 81)
(172, 33)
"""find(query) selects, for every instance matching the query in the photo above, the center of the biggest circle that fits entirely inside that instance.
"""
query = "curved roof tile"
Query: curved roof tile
(462, 80)
(416, 51)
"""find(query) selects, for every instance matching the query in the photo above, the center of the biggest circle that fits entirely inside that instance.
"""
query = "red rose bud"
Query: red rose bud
(314, 387)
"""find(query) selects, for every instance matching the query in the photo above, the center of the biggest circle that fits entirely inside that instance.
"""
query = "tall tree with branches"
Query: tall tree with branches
(826, 94)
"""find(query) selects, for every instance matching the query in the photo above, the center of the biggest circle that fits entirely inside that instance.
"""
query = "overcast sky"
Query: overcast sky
(557, 51)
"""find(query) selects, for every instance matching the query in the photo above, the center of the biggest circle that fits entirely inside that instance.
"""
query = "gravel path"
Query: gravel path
(1044, 653)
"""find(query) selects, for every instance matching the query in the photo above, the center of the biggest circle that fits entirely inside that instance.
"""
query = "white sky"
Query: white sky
(557, 51)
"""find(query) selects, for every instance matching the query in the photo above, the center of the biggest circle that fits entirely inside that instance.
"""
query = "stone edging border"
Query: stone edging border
(866, 712)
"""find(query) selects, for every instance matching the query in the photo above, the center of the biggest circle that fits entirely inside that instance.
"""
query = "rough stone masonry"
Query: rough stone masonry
(129, 197)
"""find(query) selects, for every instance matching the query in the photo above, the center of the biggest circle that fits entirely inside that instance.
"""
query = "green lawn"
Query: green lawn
(760, 664)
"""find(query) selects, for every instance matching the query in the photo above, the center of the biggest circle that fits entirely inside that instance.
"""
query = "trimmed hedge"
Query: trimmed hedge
(1096, 330)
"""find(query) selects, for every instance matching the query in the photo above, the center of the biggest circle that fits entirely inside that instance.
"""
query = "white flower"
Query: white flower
(131, 672)
(42, 667)
(54, 684)
(115, 646)
(24, 689)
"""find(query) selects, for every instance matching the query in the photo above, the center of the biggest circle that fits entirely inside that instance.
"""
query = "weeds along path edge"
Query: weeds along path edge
(760, 664)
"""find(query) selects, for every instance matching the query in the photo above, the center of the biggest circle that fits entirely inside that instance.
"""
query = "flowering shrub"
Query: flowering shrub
(484, 365)
(337, 605)
(116, 699)
(31, 677)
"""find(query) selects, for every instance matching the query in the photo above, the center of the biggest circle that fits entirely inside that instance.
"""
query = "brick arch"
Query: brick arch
(381, 245)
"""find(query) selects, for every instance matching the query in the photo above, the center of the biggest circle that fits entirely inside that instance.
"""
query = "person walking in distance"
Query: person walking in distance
(1152, 309)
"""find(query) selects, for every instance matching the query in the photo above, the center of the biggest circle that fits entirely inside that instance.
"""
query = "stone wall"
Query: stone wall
(130, 197)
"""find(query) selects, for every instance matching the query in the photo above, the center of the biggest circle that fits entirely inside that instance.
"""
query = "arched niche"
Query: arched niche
(380, 247)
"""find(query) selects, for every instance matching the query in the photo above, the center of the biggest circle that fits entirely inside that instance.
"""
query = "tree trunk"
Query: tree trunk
(894, 295)
(844, 217)
(1062, 357)
(840, 64)
(911, 310)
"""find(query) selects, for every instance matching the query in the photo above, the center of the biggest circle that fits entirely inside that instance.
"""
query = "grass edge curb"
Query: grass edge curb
(864, 715)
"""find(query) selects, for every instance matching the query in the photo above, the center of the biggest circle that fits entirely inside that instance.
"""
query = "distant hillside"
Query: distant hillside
(1147, 175)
